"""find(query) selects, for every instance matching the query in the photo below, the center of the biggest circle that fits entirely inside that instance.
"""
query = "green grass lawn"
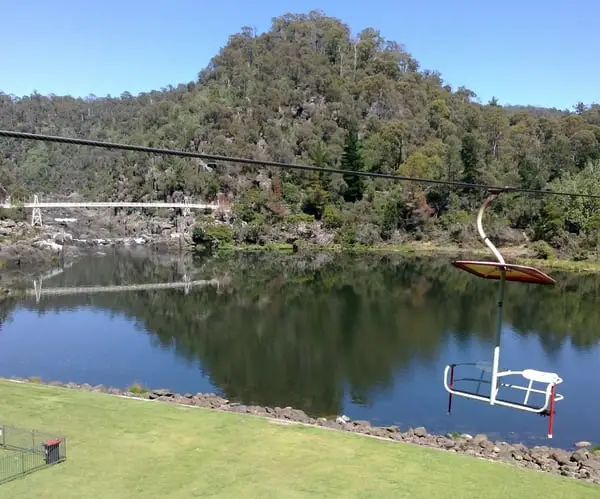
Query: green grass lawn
(119, 448)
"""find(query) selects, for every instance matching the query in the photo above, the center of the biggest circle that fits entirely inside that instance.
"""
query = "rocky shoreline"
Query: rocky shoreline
(26, 251)
(582, 464)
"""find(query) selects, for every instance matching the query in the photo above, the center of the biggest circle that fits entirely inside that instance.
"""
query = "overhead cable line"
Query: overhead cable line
(276, 164)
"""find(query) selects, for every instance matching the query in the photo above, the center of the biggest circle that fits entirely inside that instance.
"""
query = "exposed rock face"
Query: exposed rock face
(582, 464)
(67, 233)
(24, 247)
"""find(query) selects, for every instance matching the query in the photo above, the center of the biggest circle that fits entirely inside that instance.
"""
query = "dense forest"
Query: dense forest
(308, 90)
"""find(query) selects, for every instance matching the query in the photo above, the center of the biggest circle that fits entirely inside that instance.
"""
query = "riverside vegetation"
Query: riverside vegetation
(307, 90)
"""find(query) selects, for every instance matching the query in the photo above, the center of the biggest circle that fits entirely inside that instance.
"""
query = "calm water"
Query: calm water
(364, 336)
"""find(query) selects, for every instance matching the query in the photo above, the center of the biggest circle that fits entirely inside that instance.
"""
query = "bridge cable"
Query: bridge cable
(276, 164)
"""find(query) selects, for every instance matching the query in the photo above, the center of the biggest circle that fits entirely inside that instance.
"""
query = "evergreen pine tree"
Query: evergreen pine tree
(470, 158)
(352, 160)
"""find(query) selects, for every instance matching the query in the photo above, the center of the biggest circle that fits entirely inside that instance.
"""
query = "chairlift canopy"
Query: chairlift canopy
(515, 273)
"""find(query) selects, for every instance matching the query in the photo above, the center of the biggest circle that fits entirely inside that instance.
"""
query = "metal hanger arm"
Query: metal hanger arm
(482, 234)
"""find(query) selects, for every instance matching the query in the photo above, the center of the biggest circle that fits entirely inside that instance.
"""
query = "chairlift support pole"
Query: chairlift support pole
(486, 240)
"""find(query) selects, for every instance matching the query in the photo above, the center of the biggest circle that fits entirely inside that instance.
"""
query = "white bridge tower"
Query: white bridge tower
(36, 214)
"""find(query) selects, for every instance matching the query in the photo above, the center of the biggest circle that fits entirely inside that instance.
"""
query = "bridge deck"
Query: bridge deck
(116, 204)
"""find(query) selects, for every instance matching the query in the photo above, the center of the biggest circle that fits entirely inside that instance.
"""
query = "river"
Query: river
(366, 336)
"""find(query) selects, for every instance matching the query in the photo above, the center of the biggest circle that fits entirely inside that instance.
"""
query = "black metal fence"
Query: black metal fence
(23, 451)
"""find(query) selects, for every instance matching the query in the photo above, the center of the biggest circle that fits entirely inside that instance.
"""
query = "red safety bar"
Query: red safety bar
(551, 415)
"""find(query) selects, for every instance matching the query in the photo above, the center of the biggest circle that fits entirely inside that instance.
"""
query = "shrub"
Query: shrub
(367, 234)
(346, 235)
(137, 388)
(542, 250)
(212, 235)
(297, 218)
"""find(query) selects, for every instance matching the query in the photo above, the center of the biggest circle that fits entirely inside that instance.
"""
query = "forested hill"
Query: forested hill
(309, 90)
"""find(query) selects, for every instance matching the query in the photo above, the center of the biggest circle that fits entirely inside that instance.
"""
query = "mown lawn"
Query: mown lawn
(120, 448)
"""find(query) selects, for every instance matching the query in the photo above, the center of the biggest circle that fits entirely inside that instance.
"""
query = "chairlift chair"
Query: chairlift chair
(502, 271)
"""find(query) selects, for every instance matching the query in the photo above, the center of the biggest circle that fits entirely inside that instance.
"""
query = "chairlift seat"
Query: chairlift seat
(548, 393)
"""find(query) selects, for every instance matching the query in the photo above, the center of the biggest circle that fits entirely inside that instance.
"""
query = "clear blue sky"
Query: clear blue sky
(524, 52)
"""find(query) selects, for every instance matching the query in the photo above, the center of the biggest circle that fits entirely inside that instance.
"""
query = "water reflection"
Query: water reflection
(368, 336)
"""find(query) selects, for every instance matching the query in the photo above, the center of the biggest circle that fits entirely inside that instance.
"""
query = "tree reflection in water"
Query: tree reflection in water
(295, 330)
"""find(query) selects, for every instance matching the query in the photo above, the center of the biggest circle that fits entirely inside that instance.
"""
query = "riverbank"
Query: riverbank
(582, 463)
(521, 255)
(31, 252)
(122, 447)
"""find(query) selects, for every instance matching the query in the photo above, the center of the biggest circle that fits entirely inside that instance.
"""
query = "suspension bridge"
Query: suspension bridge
(37, 205)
